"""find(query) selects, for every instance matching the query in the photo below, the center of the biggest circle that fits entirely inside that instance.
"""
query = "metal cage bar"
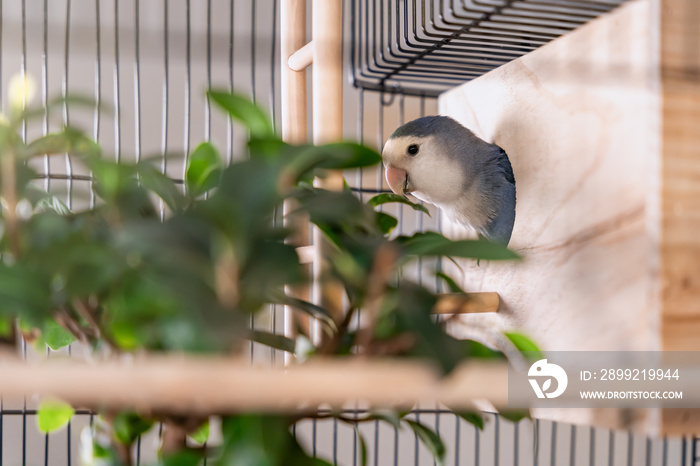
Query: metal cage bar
(424, 47)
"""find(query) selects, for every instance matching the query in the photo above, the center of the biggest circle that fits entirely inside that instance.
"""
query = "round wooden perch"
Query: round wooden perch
(467, 303)
(214, 385)
(302, 58)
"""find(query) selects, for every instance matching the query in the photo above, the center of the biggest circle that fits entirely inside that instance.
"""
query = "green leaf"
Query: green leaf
(53, 204)
(69, 140)
(384, 198)
(435, 244)
(303, 162)
(386, 222)
(392, 417)
(339, 211)
(268, 149)
(59, 103)
(257, 282)
(246, 112)
(346, 155)
(256, 440)
(53, 415)
(472, 418)
(272, 340)
(112, 179)
(162, 186)
(204, 169)
(54, 143)
(430, 439)
(409, 313)
(55, 336)
(24, 292)
(186, 457)
(201, 435)
(127, 426)
(515, 415)
(312, 309)
(363, 446)
(454, 287)
(6, 326)
(524, 344)
(474, 349)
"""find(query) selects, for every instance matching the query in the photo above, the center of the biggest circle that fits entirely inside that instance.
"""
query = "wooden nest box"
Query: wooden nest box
(602, 127)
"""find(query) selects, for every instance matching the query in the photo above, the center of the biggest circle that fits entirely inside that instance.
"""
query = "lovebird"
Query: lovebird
(439, 161)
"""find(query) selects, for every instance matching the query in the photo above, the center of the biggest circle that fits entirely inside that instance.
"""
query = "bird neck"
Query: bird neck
(474, 208)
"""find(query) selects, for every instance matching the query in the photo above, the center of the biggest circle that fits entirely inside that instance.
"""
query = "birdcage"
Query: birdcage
(151, 62)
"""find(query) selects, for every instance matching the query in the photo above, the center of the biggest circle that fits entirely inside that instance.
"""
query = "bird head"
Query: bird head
(421, 159)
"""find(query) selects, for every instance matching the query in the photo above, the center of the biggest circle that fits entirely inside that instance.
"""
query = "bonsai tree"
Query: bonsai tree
(122, 276)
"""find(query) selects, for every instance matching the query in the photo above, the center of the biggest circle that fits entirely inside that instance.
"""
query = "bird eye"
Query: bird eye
(412, 149)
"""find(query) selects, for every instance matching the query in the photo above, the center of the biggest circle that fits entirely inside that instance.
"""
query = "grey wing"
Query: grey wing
(501, 226)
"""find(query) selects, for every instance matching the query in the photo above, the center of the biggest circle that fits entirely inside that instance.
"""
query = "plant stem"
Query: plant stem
(331, 346)
(65, 320)
(379, 276)
(9, 193)
(81, 308)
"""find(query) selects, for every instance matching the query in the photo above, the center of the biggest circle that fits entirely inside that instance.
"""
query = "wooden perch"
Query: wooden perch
(467, 303)
(306, 254)
(302, 58)
(295, 131)
(198, 385)
(327, 99)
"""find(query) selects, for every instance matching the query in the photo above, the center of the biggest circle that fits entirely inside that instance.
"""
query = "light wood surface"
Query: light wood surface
(294, 130)
(307, 254)
(215, 385)
(677, 245)
(293, 83)
(302, 58)
(579, 119)
(327, 97)
(679, 239)
(468, 303)
(327, 71)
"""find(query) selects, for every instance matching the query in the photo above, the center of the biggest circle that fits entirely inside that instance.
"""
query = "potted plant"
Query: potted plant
(162, 266)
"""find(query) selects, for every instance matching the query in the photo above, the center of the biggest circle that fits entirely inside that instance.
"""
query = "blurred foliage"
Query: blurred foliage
(53, 415)
(161, 266)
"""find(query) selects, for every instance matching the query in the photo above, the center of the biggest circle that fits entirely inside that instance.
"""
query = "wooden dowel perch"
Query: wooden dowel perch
(216, 385)
(295, 131)
(302, 58)
(293, 30)
(306, 254)
(467, 303)
(327, 98)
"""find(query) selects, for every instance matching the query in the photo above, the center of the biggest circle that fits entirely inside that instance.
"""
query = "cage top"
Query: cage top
(424, 47)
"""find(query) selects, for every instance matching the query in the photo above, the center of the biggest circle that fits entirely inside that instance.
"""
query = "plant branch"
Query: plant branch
(81, 308)
(97, 332)
(9, 194)
(65, 320)
(330, 346)
(377, 280)
(227, 275)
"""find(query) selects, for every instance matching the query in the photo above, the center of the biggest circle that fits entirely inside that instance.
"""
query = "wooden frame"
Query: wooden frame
(208, 385)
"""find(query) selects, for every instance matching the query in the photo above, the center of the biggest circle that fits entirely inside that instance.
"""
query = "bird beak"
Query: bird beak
(396, 177)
